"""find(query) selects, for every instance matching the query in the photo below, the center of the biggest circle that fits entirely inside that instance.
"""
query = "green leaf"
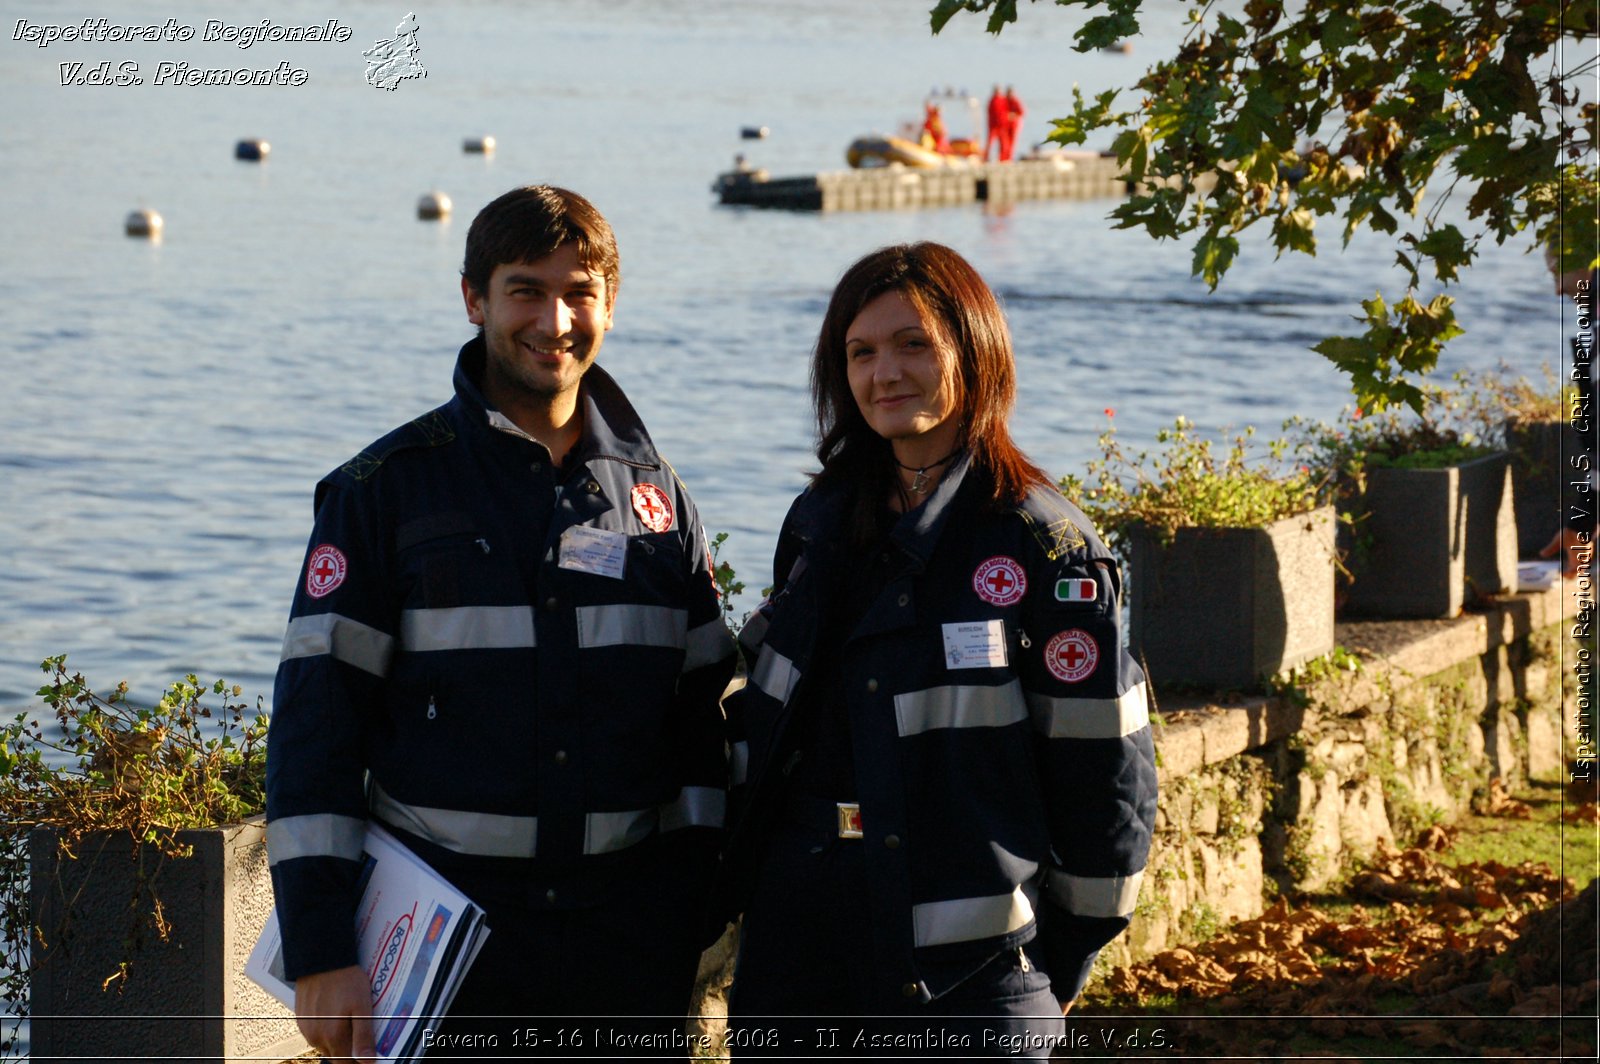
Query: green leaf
(1105, 30)
(1339, 30)
(1005, 11)
(1075, 128)
(1133, 152)
(1448, 249)
(1213, 255)
(1345, 351)
(1292, 231)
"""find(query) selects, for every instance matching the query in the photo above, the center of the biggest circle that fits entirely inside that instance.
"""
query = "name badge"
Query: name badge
(593, 550)
(975, 645)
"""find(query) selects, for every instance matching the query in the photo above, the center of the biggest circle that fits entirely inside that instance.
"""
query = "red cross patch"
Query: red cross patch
(1071, 655)
(325, 570)
(1000, 581)
(653, 507)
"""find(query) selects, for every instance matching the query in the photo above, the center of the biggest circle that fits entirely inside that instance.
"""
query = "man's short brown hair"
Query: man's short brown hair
(528, 223)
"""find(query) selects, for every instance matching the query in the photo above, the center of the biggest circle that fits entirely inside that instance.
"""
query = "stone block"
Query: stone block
(1536, 449)
(1207, 811)
(1224, 607)
(1438, 539)
(1544, 744)
(185, 998)
(1180, 748)
(1364, 820)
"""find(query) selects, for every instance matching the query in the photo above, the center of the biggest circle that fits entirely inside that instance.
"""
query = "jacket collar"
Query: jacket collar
(611, 427)
(917, 531)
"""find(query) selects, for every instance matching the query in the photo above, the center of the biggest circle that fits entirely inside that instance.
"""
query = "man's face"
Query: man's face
(543, 323)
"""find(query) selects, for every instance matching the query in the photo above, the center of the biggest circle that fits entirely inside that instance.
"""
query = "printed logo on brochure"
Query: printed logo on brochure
(325, 570)
(1071, 655)
(653, 507)
(1000, 581)
(388, 966)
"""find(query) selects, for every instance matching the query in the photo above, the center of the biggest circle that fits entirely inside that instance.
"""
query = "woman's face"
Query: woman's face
(900, 374)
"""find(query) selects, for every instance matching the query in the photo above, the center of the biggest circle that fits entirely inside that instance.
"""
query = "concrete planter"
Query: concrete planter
(186, 998)
(1539, 451)
(1224, 607)
(1436, 539)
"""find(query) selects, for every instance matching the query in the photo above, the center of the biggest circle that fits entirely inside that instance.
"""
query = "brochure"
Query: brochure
(417, 936)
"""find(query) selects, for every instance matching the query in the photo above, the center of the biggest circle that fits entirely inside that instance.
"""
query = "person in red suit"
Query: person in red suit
(934, 135)
(1013, 123)
(999, 115)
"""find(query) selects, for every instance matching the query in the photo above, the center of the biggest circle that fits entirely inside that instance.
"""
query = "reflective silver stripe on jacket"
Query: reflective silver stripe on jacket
(775, 674)
(315, 835)
(1094, 895)
(707, 644)
(630, 624)
(348, 641)
(964, 919)
(467, 628)
(963, 706)
(1090, 718)
(461, 830)
(694, 807)
(608, 832)
(754, 632)
(495, 835)
(739, 763)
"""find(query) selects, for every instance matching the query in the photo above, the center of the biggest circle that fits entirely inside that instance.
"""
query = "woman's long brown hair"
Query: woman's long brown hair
(965, 318)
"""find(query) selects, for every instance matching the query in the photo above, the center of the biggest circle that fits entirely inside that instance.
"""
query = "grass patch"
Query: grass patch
(1572, 849)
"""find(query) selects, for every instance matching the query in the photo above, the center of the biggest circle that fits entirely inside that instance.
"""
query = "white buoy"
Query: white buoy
(433, 205)
(143, 222)
(253, 151)
(478, 145)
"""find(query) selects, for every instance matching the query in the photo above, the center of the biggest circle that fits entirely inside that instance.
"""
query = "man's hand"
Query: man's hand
(1572, 548)
(1066, 1007)
(334, 1012)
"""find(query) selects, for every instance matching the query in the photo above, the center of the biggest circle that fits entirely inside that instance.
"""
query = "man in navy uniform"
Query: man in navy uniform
(506, 647)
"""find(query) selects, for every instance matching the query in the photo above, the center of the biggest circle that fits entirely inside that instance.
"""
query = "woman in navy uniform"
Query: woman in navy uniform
(945, 781)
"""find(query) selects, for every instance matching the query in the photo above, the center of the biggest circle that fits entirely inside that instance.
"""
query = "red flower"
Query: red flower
(1358, 413)
(1110, 412)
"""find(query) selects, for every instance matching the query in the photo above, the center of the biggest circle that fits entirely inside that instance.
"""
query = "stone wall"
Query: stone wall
(1397, 731)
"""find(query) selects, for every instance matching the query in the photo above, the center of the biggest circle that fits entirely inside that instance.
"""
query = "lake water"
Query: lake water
(168, 407)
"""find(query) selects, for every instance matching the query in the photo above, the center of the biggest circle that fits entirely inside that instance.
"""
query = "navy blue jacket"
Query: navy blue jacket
(452, 670)
(999, 730)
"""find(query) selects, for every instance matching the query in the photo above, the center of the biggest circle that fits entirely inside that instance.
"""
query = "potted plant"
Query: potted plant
(1531, 421)
(1425, 506)
(1231, 559)
(133, 881)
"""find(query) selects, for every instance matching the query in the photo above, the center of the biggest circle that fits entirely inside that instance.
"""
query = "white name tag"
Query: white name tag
(975, 645)
(593, 550)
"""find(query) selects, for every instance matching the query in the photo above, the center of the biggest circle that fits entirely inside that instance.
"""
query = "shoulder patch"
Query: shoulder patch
(429, 430)
(1057, 538)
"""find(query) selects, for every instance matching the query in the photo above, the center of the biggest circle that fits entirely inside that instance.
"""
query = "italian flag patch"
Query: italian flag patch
(1076, 589)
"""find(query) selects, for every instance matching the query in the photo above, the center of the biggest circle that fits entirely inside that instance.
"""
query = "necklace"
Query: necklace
(919, 484)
